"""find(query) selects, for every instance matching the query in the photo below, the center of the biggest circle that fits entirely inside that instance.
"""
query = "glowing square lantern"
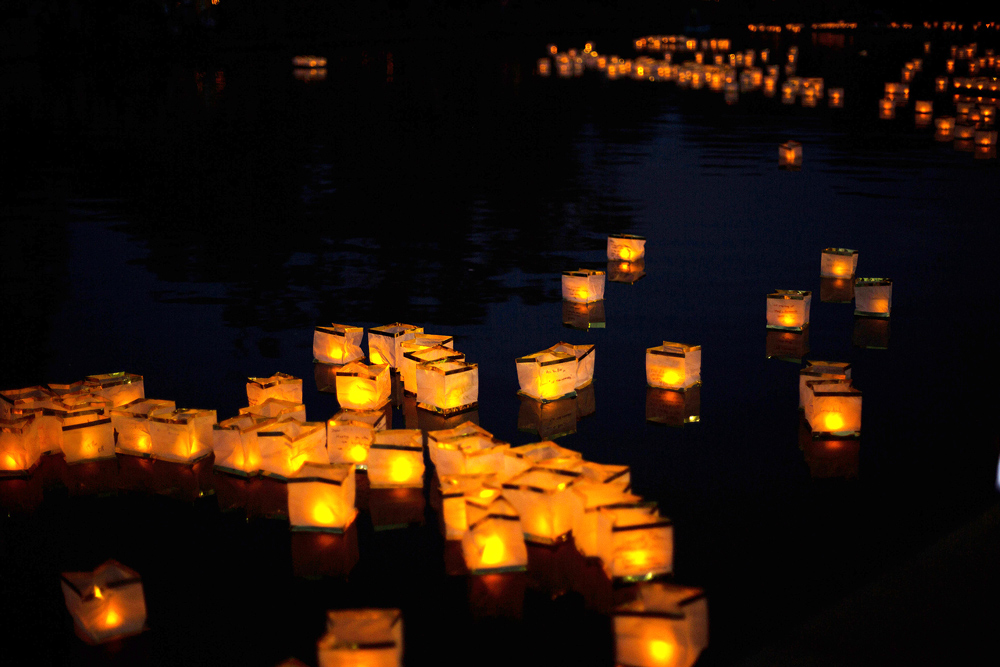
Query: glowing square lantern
(547, 375)
(288, 445)
(944, 128)
(276, 408)
(279, 385)
(923, 106)
(587, 522)
(362, 638)
(131, 423)
(456, 490)
(447, 386)
(236, 446)
(182, 435)
(627, 247)
(466, 449)
(545, 454)
(585, 357)
(545, 503)
(838, 263)
(583, 286)
(494, 542)
(361, 386)
(665, 626)
(118, 388)
(833, 406)
(673, 366)
(790, 155)
(443, 348)
(321, 497)
(105, 604)
(788, 310)
(19, 448)
(821, 370)
(872, 297)
(886, 109)
(396, 459)
(985, 138)
(835, 98)
(337, 344)
(350, 433)
(85, 429)
(634, 542)
(384, 342)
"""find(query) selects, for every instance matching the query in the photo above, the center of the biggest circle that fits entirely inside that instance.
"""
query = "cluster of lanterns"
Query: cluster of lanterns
(309, 68)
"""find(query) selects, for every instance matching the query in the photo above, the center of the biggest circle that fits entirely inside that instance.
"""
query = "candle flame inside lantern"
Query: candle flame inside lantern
(97, 593)
(112, 619)
(323, 514)
(485, 493)
(788, 319)
(10, 462)
(402, 470)
(834, 421)
(493, 550)
(660, 650)
(671, 376)
(625, 253)
(581, 293)
(376, 358)
(358, 453)
(840, 268)
(143, 443)
(360, 393)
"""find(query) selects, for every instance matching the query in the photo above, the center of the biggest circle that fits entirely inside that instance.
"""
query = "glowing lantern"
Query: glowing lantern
(466, 449)
(547, 375)
(872, 297)
(384, 342)
(832, 406)
(494, 541)
(362, 638)
(965, 132)
(321, 497)
(19, 448)
(944, 128)
(447, 386)
(288, 445)
(770, 85)
(544, 67)
(886, 109)
(838, 263)
(279, 385)
(105, 604)
(482, 489)
(583, 286)
(790, 155)
(835, 98)
(237, 450)
(584, 355)
(674, 408)
(131, 423)
(396, 459)
(941, 84)
(118, 388)
(587, 522)
(627, 247)
(634, 542)
(276, 408)
(85, 430)
(347, 440)
(17, 401)
(673, 366)
(821, 370)
(545, 454)
(665, 626)
(788, 310)
(986, 138)
(181, 435)
(923, 107)
(809, 97)
(417, 351)
(309, 61)
(545, 503)
(788, 93)
(337, 344)
(989, 114)
(363, 387)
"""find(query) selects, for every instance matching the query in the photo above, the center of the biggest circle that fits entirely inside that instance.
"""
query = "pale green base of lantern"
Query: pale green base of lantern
(863, 313)
(499, 570)
(547, 541)
(331, 530)
(778, 327)
(235, 472)
(447, 411)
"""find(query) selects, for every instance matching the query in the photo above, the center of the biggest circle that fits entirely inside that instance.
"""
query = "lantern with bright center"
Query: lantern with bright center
(337, 344)
(105, 604)
(788, 92)
(821, 370)
(872, 297)
(886, 109)
(363, 387)
(421, 348)
(276, 408)
(85, 429)
(790, 155)
(456, 490)
(279, 385)
(321, 497)
(494, 542)
(583, 286)
(131, 423)
(44, 404)
(547, 375)
(362, 638)
(923, 107)
(833, 406)
(835, 98)
(633, 541)
(447, 386)
(626, 247)
(466, 449)
(118, 388)
(288, 445)
(543, 499)
(350, 433)
(665, 626)
(237, 450)
(788, 310)
(985, 138)
(545, 454)
(838, 263)
(585, 356)
(587, 521)
(396, 459)
(19, 448)
(182, 435)
(944, 128)
(384, 342)
(673, 366)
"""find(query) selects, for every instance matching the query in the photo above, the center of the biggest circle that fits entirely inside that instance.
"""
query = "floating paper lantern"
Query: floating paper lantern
(543, 499)
(989, 114)
(809, 97)
(183, 436)
(628, 247)
(41, 402)
(494, 541)
(886, 109)
(941, 84)
(545, 454)
(279, 385)
(673, 408)
(587, 521)
(832, 406)
(482, 489)
(673, 366)
(131, 423)
(583, 286)
(790, 155)
(19, 448)
(966, 132)
(821, 370)
(288, 445)
(872, 297)
(447, 386)
(321, 497)
(788, 309)
(361, 386)
(309, 61)
(788, 93)
(835, 98)
(584, 355)
(665, 626)
(396, 459)
(923, 107)
(985, 138)
(544, 67)
(634, 542)
(384, 342)
(787, 345)
(236, 446)
(466, 449)
(337, 344)
(85, 430)
(118, 388)
(770, 85)
(838, 263)
(944, 127)
(105, 604)
(348, 440)
(416, 351)
(362, 638)
(547, 375)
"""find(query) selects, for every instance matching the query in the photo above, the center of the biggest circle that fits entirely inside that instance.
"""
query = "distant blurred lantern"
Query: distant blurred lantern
(361, 386)
(279, 385)
(396, 459)
(789, 69)
(182, 435)
(548, 420)
(672, 407)
(86, 431)
(966, 132)
(628, 247)
(923, 107)
(906, 74)
(466, 449)
(673, 366)
(986, 138)
(583, 315)
(895, 91)
(494, 542)
(118, 388)
(362, 638)
(131, 423)
(545, 454)
(337, 344)
(872, 297)
(309, 61)
(809, 97)
(835, 98)
(666, 625)
(349, 435)
(838, 263)
(634, 542)
(287, 445)
(551, 48)
(423, 348)
(821, 370)
(236, 446)
(788, 309)
(620, 271)
(321, 497)
(764, 55)
(544, 66)
(886, 109)
(19, 448)
(547, 375)
(989, 114)
(447, 386)
(384, 342)
(276, 408)
(963, 108)
(941, 84)
(832, 406)
(790, 156)
(583, 286)
(543, 499)
(455, 490)
(927, 47)
(770, 85)
(871, 333)
(944, 128)
(836, 290)
(105, 604)
(788, 93)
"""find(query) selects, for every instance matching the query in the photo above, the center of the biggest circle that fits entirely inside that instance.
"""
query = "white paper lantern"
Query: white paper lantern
(337, 344)
(583, 286)
(673, 366)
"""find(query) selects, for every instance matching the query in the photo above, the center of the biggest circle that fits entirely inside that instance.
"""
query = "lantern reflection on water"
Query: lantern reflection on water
(548, 419)
(131, 424)
(105, 604)
(361, 386)
(362, 638)
(665, 626)
(543, 499)
(182, 435)
(620, 271)
(19, 448)
(494, 542)
(673, 366)
(790, 155)
(836, 290)
(628, 247)
(788, 310)
(583, 315)
(872, 297)
(672, 407)
(787, 345)
(321, 497)
(835, 98)
(886, 109)
(337, 344)
(583, 286)
(832, 406)
(447, 386)
(832, 456)
(384, 342)
(838, 263)
(396, 459)
(288, 445)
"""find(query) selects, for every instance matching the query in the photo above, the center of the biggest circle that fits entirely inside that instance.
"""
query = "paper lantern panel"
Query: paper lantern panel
(447, 387)
(456, 490)
(673, 366)
(105, 604)
(838, 263)
(626, 247)
(494, 542)
(362, 638)
(19, 447)
(118, 388)
(543, 499)
(666, 626)
(833, 406)
(583, 286)
(415, 353)
(86, 432)
(585, 358)
(788, 310)
(279, 385)
(872, 297)
(396, 459)
(821, 370)
(321, 497)
(384, 342)
(131, 423)
(182, 435)
(276, 408)
(288, 445)
(337, 344)
(547, 375)
(361, 386)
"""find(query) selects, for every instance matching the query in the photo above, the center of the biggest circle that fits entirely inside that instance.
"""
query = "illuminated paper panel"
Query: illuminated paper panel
(321, 497)
(788, 310)
(279, 385)
(583, 286)
(337, 344)
(131, 423)
(105, 604)
(673, 366)
(384, 342)
(396, 459)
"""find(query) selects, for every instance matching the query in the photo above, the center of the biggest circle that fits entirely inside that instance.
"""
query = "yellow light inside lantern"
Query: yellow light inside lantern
(672, 376)
(323, 514)
(376, 358)
(485, 493)
(625, 253)
(834, 421)
(880, 305)
(661, 651)
(358, 453)
(360, 393)
(493, 550)
(581, 293)
(97, 593)
(10, 462)
(336, 352)
(402, 469)
(113, 619)
(788, 319)
(840, 268)
(143, 443)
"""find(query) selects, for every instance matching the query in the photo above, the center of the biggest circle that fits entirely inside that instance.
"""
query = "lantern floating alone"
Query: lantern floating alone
(835, 98)
(673, 366)
(583, 286)
(105, 604)
(832, 406)
(337, 343)
(356, 637)
(872, 297)
(886, 109)
(627, 247)
(321, 497)
(666, 624)
(547, 375)
(944, 128)
(790, 155)
(384, 342)
(788, 310)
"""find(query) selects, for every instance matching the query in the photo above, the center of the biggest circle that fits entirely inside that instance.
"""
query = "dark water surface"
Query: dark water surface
(191, 222)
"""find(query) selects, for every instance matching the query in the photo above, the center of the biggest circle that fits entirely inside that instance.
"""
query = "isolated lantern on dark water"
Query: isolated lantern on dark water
(583, 286)
(105, 604)
(790, 155)
(838, 263)
(872, 297)
(673, 366)
(788, 309)
(627, 247)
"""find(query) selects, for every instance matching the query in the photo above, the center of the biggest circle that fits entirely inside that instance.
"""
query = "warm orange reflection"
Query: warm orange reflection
(493, 550)
(661, 651)
(834, 421)
(322, 514)
(113, 619)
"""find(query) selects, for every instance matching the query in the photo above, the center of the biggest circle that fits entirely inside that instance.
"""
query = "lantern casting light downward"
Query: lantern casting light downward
(583, 286)
(236, 446)
(384, 342)
(337, 344)
(788, 310)
(626, 247)
(547, 375)
(183, 436)
(321, 497)
(84, 429)
(361, 386)
(494, 542)
(105, 604)
(673, 366)
(19, 448)
(832, 406)
(872, 297)
(665, 626)
(362, 638)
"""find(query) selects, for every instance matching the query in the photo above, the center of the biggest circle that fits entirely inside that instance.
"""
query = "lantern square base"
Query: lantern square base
(862, 313)
(333, 530)
(94, 641)
(547, 541)
(547, 399)
(447, 412)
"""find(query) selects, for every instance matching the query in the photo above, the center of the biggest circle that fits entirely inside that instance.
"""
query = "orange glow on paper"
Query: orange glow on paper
(358, 453)
(834, 421)
(376, 358)
(323, 514)
(671, 376)
(402, 469)
(112, 620)
(661, 651)
(840, 268)
(880, 305)
(143, 443)
(360, 394)
(485, 493)
(789, 319)
(97, 593)
(493, 550)
(625, 253)
(582, 293)
(10, 462)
